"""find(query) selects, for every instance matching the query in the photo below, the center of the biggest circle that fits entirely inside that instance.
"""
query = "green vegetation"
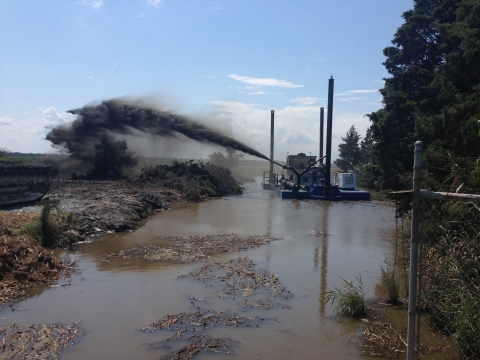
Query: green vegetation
(9, 158)
(391, 282)
(433, 95)
(452, 273)
(350, 152)
(349, 300)
(196, 180)
(52, 228)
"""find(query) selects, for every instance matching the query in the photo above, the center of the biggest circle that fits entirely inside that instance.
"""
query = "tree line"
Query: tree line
(432, 95)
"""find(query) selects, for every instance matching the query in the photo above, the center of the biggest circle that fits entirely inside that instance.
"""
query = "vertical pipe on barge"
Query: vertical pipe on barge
(272, 120)
(321, 135)
(329, 135)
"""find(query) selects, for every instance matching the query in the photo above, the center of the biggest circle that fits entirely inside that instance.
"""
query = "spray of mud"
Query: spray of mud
(117, 117)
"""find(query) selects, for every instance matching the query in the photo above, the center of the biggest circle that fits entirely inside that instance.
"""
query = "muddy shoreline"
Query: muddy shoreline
(104, 206)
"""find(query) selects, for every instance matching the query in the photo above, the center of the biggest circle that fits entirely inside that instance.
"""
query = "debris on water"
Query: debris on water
(188, 324)
(382, 339)
(36, 341)
(157, 253)
(317, 233)
(199, 320)
(193, 248)
(24, 263)
(241, 276)
(215, 244)
(200, 343)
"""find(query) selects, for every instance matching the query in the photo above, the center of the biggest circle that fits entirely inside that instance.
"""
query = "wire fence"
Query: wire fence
(444, 274)
(448, 301)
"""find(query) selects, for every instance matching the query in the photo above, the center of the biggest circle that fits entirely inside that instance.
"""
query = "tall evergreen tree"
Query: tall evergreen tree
(350, 152)
(433, 92)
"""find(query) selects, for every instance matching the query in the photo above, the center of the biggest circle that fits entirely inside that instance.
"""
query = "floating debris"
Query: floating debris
(215, 244)
(200, 320)
(240, 276)
(383, 340)
(200, 343)
(37, 341)
(156, 253)
(193, 248)
(317, 233)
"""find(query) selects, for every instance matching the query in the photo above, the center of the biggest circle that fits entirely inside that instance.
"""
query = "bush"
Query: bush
(349, 300)
(196, 180)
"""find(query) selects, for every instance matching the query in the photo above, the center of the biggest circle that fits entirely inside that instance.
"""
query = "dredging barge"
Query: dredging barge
(305, 177)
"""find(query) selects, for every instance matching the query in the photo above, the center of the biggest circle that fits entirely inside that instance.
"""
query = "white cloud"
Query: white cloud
(350, 92)
(263, 82)
(353, 98)
(5, 121)
(258, 92)
(141, 15)
(362, 91)
(215, 8)
(90, 77)
(305, 100)
(155, 3)
(96, 4)
(297, 128)
(52, 115)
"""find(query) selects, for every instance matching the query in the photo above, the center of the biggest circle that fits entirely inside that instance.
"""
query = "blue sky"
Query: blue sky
(224, 62)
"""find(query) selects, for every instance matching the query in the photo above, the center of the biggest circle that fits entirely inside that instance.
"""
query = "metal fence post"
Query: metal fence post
(412, 296)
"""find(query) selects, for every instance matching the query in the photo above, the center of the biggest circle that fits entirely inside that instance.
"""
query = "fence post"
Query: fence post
(412, 296)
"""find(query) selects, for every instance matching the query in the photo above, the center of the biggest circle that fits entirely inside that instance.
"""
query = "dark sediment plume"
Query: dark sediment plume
(115, 116)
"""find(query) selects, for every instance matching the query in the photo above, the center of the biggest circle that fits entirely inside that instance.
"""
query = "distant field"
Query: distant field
(27, 160)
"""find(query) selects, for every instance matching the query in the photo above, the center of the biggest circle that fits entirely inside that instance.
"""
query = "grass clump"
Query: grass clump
(349, 300)
(391, 281)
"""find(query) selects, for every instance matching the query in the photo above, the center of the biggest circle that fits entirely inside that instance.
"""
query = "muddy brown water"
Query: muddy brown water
(113, 299)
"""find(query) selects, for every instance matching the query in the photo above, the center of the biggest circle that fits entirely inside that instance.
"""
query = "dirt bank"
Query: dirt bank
(110, 206)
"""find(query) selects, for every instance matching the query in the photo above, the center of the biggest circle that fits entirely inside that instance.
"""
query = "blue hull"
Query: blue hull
(321, 192)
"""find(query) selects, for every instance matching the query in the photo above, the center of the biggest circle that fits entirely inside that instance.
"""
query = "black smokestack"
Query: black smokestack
(113, 116)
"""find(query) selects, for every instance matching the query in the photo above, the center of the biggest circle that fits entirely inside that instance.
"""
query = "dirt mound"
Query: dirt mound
(111, 206)
(24, 263)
